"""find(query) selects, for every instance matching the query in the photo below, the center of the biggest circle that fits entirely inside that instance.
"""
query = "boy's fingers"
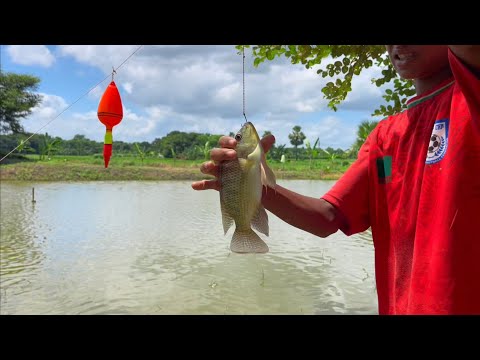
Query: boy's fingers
(209, 168)
(227, 142)
(267, 142)
(222, 154)
(206, 185)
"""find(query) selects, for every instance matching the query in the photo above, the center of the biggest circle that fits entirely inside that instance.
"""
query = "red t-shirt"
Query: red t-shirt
(416, 183)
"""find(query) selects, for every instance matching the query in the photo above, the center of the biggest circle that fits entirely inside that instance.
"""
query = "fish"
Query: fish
(241, 184)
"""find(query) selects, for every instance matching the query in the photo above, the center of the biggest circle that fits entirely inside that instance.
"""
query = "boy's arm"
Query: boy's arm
(468, 54)
(314, 215)
(344, 207)
(465, 65)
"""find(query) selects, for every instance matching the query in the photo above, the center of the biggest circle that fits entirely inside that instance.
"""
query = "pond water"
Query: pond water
(159, 248)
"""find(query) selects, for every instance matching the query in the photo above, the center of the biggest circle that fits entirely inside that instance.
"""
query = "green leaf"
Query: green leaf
(354, 59)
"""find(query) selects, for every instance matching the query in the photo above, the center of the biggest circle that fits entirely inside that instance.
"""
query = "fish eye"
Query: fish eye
(238, 137)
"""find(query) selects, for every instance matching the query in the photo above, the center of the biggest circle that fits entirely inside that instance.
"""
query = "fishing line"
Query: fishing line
(243, 56)
(69, 106)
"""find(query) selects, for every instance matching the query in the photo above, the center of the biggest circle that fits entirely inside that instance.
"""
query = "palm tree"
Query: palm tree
(296, 138)
(364, 129)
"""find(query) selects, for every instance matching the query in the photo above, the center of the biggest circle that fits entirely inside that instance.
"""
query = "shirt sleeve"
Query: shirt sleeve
(350, 194)
(469, 84)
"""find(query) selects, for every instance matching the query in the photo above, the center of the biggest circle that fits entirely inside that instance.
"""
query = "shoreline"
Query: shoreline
(35, 171)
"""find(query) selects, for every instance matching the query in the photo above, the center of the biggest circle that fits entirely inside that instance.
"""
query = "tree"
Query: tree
(351, 60)
(80, 145)
(24, 146)
(49, 146)
(184, 144)
(296, 138)
(364, 129)
(276, 152)
(205, 150)
(312, 151)
(16, 100)
(140, 152)
(331, 155)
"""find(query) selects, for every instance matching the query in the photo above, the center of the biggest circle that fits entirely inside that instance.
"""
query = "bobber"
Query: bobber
(110, 113)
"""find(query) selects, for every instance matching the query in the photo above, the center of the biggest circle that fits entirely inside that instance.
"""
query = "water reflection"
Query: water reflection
(159, 248)
(21, 253)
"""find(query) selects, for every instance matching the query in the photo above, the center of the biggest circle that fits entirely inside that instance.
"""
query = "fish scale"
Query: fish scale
(234, 183)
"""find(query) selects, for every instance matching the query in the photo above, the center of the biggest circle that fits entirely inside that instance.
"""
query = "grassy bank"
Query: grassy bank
(90, 168)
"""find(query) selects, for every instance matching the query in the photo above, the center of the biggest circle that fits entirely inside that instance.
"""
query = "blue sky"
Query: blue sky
(187, 88)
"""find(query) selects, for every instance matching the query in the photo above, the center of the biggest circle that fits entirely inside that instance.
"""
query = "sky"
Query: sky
(191, 88)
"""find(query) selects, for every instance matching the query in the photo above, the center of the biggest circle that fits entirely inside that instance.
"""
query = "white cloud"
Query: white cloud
(97, 92)
(332, 131)
(45, 118)
(199, 88)
(31, 55)
(364, 94)
(128, 87)
(208, 80)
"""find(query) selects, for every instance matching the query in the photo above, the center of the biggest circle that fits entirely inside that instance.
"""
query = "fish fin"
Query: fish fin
(268, 176)
(255, 155)
(260, 220)
(243, 163)
(247, 241)
(227, 220)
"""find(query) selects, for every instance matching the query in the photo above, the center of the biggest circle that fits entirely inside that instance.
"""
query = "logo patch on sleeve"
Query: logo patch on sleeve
(438, 144)
(384, 169)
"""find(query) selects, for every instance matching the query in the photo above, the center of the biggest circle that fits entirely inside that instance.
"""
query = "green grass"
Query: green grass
(123, 167)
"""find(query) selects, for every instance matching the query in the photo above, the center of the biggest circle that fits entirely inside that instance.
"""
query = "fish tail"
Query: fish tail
(247, 241)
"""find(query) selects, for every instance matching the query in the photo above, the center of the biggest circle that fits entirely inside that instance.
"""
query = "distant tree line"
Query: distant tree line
(176, 144)
(183, 145)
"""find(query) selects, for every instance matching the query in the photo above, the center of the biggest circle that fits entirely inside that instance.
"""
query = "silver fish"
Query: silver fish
(241, 182)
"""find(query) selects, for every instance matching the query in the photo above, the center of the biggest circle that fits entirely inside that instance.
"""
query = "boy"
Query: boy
(416, 183)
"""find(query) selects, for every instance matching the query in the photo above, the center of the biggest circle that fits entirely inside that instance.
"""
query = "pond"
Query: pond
(159, 248)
